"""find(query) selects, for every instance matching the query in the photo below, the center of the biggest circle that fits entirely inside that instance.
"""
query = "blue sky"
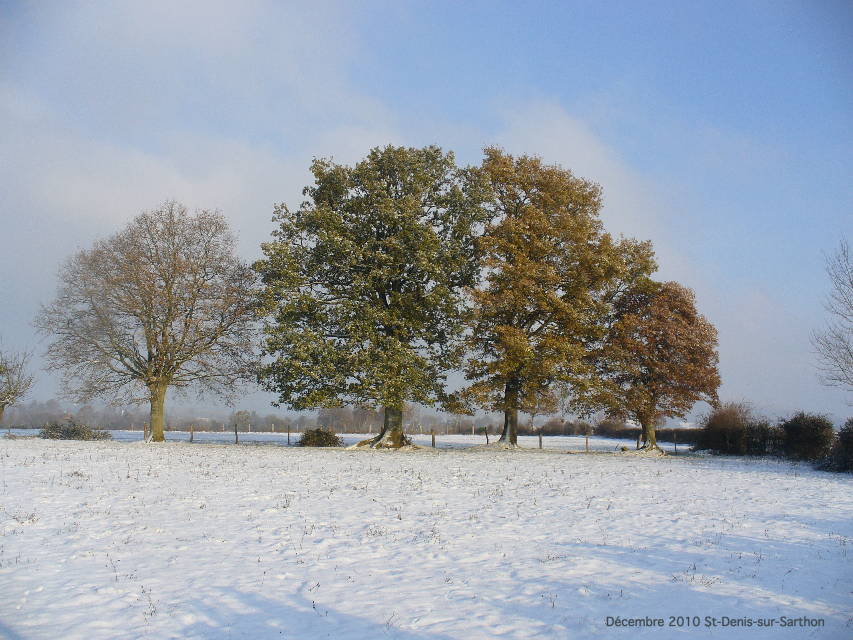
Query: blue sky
(720, 130)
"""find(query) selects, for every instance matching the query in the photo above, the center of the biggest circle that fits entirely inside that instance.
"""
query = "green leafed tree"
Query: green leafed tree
(658, 359)
(363, 283)
(547, 267)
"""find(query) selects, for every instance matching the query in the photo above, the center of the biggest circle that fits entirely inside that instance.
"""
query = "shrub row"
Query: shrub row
(734, 429)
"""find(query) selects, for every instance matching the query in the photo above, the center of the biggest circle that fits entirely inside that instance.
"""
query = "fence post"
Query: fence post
(432, 433)
(288, 432)
(540, 438)
(586, 446)
(675, 440)
(192, 432)
(236, 439)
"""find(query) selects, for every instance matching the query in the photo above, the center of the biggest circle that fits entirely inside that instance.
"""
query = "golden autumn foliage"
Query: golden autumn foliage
(546, 266)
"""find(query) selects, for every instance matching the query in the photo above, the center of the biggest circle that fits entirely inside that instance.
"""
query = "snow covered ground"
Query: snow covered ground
(452, 441)
(128, 540)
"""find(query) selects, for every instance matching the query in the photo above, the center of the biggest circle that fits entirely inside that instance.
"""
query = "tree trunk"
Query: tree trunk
(158, 416)
(510, 432)
(391, 436)
(648, 434)
(2, 409)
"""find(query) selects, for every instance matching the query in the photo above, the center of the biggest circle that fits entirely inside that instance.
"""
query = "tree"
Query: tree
(363, 282)
(546, 263)
(658, 359)
(164, 303)
(834, 345)
(15, 378)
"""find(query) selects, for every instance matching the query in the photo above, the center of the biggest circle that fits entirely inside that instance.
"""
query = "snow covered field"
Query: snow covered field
(452, 441)
(128, 540)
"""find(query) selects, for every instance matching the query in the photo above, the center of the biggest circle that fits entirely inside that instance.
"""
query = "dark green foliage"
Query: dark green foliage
(70, 430)
(320, 438)
(763, 438)
(363, 284)
(841, 454)
(808, 436)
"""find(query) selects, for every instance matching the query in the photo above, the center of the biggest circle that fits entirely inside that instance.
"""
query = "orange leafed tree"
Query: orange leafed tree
(658, 359)
(546, 263)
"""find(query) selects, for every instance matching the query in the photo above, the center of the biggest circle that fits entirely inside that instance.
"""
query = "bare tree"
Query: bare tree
(164, 303)
(834, 345)
(15, 378)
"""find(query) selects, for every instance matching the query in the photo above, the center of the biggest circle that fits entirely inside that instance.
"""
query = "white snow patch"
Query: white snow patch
(133, 540)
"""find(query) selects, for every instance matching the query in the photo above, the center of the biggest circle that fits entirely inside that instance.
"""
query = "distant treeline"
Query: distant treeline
(34, 415)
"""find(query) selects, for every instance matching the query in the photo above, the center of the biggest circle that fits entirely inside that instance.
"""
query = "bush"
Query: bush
(808, 436)
(319, 438)
(732, 428)
(70, 430)
(841, 454)
(724, 429)
(763, 439)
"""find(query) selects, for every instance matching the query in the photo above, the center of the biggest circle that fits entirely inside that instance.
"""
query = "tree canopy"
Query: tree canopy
(164, 303)
(658, 359)
(15, 377)
(546, 264)
(363, 283)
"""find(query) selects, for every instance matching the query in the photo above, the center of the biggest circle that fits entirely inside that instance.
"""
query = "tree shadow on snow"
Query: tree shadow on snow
(8, 634)
(237, 614)
(699, 582)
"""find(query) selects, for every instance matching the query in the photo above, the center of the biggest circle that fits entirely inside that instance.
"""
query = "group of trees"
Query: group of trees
(391, 274)
(404, 267)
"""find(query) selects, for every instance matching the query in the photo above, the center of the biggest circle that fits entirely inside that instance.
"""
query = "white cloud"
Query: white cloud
(222, 105)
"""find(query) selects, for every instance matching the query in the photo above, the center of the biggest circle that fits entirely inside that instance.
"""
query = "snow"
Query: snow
(451, 441)
(130, 540)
